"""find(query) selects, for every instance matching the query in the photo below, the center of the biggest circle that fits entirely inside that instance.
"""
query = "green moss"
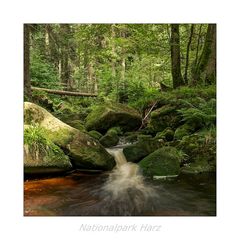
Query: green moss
(77, 124)
(103, 117)
(73, 142)
(115, 131)
(142, 137)
(163, 162)
(32, 116)
(199, 166)
(62, 136)
(145, 146)
(95, 134)
(134, 153)
(200, 147)
(164, 117)
(131, 137)
(184, 130)
(110, 139)
(41, 152)
(90, 155)
(167, 134)
(164, 110)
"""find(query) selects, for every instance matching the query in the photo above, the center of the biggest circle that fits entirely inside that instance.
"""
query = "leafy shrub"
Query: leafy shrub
(204, 115)
(43, 73)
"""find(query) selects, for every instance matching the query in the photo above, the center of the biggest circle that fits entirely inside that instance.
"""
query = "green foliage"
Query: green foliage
(201, 149)
(95, 134)
(144, 99)
(43, 73)
(203, 115)
(163, 162)
(35, 138)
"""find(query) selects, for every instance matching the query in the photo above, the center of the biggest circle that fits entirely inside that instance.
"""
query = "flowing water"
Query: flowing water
(122, 192)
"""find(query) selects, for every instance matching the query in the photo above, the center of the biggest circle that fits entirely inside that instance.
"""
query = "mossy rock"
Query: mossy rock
(110, 139)
(167, 134)
(115, 131)
(77, 124)
(95, 134)
(163, 117)
(184, 130)
(198, 167)
(200, 147)
(145, 145)
(131, 138)
(163, 162)
(134, 153)
(105, 116)
(41, 155)
(83, 150)
(69, 112)
(143, 137)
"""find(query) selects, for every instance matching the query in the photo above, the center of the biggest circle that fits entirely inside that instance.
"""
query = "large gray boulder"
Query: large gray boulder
(84, 151)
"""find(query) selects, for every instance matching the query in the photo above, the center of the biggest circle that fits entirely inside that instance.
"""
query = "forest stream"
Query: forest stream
(122, 192)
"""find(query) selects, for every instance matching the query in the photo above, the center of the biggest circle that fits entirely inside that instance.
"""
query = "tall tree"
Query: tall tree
(206, 68)
(65, 66)
(187, 54)
(27, 83)
(175, 56)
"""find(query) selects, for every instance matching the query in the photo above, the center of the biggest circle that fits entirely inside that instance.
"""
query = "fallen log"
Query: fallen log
(61, 92)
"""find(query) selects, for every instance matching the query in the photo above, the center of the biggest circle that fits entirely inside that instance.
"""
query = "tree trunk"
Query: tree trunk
(175, 56)
(206, 69)
(198, 44)
(113, 60)
(27, 83)
(67, 93)
(187, 54)
(65, 66)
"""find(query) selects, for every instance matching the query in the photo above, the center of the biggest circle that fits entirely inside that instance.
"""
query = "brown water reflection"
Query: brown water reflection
(82, 194)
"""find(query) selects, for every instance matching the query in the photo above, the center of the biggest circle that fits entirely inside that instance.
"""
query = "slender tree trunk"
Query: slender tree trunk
(206, 69)
(175, 56)
(187, 54)
(65, 66)
(27, 83)
(198, 44)
(91, 77)
(113, 61)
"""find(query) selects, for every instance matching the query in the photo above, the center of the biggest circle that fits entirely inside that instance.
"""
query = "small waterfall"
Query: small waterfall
(125, 192)
(118, 156)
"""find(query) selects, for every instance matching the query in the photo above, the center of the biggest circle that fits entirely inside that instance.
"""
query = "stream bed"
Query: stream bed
(93, 194)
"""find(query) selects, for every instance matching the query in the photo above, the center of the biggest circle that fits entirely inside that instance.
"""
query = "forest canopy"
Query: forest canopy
(120, 62)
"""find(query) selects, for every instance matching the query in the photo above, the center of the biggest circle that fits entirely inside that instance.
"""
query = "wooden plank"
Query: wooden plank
(61, 92)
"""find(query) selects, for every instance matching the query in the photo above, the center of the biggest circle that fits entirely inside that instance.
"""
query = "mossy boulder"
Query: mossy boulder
(163, 162)
(110, 139)
(131, 137)
(167, 134)
(163, 117)
(84, 151)
(77, 124)
(201, 149)
(95, 134)
(109, 115)
(69, 111)
(134, 153)
(184, 130)
(145, 145)
(41, 155)
(199, 167)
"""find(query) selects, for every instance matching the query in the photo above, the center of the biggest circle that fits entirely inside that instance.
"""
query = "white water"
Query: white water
(125, 188)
